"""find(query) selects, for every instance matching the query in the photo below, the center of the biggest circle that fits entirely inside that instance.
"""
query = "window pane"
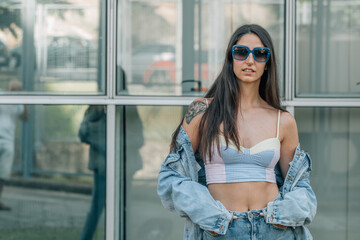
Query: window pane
(172, 48)
(52, 158)
(331, 136)
(327, 46)
(53, 47)
(146, 142)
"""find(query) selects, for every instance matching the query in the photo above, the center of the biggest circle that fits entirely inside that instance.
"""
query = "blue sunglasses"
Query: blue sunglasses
(241, 53)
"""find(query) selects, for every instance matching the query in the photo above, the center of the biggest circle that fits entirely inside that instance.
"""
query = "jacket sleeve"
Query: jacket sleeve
(189, 198)
(297, 207)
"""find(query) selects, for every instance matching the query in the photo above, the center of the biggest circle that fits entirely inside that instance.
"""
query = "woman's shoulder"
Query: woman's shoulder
(288, 127)
(196, 109)
(287, 119)
(192, 119)
(285, 116)
(202, 100)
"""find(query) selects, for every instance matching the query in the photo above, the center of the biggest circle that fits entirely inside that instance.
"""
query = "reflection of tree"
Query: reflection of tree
(9, 19)
(149, 25)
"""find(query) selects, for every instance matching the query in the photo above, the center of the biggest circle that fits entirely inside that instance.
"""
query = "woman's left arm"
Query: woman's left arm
(298, 204)
(289, 140)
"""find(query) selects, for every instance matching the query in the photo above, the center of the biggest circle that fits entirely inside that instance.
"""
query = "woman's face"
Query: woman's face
(248, 70)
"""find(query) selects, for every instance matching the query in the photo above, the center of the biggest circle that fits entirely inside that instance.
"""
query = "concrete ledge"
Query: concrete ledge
(50, 185)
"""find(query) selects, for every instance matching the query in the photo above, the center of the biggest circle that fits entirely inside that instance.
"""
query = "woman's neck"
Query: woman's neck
(249, 96)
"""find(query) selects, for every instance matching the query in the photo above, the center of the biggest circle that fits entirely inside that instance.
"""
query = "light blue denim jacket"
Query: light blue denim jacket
(182, 188)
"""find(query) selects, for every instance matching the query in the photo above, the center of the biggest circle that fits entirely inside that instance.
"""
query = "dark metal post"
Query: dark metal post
(188, 54)
(28, 62)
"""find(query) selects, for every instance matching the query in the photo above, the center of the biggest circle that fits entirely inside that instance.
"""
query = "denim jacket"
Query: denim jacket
(182, 188)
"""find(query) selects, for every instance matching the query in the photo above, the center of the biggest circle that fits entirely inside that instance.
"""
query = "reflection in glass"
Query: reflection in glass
(147, 47)
(327, 47)
(93, 132)
(9, 114)
(53, 47)
(178, 49)
(54, 173)
(147, 136)
(331, 136)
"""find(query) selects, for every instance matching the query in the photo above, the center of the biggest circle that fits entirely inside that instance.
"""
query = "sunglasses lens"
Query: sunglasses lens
(261, 54)
(241, 53)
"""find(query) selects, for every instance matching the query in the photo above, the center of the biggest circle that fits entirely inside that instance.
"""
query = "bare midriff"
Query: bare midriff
(244, 196)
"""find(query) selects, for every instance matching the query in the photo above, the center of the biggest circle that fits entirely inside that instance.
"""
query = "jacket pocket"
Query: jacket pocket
(211, 235)
(279, 227)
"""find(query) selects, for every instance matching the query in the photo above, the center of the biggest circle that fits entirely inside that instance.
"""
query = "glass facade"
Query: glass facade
(53, 47)
(181, 52)
(327, 43)
(126, 69)
(58, 178)
(331, 136)
(146, 143)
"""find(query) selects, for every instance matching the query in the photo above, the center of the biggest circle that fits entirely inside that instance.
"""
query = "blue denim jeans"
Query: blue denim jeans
(250, 226)
(97, 206)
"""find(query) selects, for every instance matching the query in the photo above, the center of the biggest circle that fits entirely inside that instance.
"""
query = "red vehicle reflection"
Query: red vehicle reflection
(164, 73)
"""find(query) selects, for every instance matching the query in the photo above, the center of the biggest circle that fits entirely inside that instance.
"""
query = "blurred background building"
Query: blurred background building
(144, 60)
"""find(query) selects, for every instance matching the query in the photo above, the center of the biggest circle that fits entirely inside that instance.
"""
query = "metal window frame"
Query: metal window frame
(305, 99)
(111, 100)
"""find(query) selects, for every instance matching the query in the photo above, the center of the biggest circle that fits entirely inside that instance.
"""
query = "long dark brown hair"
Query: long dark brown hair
(225, 94)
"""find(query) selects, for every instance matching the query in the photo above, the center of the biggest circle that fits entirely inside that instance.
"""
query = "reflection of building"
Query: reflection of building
(68, 54)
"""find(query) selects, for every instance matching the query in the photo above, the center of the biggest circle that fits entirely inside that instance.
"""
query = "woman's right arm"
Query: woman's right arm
(191, 122)
(188, 198)
(177, 188)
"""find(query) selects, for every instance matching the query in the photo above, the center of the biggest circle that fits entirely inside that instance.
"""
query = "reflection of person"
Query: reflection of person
(133, 134)
(246, 140)
(93, 132)
(8, 116)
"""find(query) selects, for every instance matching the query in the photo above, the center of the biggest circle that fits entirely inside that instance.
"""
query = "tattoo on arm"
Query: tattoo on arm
(195, 109)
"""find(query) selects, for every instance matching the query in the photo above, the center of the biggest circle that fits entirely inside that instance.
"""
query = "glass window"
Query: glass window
(327, 44)
(172, 48)
(53, 47)
(146, 138)
(52, 171)
(331, 136)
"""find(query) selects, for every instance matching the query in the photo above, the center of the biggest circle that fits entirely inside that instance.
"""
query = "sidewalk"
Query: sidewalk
(43, 208)
(42, 214)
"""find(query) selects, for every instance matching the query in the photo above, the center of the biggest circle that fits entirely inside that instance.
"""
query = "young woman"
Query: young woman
(245, 141)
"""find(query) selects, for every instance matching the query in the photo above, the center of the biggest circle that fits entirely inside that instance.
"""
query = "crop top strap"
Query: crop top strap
(278, 125)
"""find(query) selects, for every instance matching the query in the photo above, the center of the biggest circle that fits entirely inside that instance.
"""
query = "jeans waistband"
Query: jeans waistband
(251, 213)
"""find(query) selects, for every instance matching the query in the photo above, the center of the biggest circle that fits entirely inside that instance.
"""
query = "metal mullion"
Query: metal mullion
(323, 102)
(111, 49)
(110, 174)
(97, 100)
(290, 49)
(111, 215)
(159, 101)
(57, 100)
